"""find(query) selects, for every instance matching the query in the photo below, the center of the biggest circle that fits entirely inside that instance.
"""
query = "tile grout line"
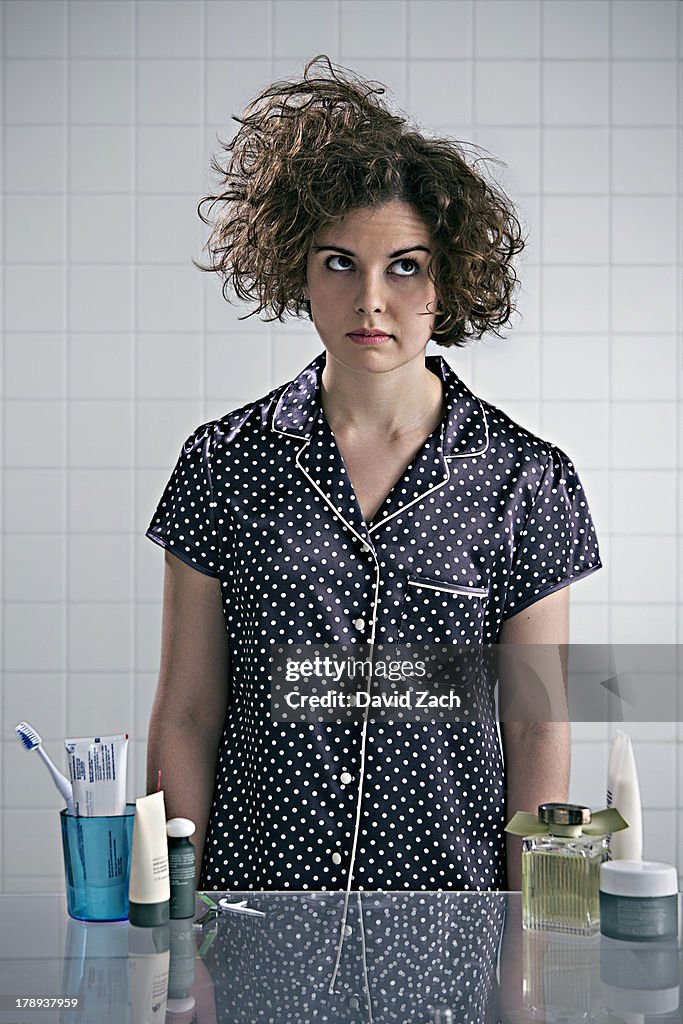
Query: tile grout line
(423, 60)
(66, 323)
(677, 442)
(540, 311)
(610, 365)
(131, 784)
(3, 431)
(204, 91)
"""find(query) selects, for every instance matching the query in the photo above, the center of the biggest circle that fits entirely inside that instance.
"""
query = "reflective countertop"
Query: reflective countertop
(413, 957)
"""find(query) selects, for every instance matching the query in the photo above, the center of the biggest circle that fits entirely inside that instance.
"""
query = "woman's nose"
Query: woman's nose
(370, 295)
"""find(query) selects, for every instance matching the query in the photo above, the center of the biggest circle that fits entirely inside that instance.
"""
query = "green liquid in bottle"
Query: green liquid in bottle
(561, 883)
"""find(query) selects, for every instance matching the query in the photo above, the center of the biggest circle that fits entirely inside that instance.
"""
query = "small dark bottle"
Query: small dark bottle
(181, 865)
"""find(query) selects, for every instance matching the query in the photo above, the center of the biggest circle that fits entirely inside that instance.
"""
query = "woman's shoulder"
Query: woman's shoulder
(503, 425)
(291, 404)
(508, 437)
(500, 437)
(251, 417)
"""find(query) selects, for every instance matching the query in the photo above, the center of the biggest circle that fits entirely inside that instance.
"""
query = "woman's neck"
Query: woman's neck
(389, 405)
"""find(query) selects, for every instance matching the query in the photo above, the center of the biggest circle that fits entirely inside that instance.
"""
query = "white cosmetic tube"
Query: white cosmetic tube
(97, 769)
(150, 889)
(625, 790)
(614, 755)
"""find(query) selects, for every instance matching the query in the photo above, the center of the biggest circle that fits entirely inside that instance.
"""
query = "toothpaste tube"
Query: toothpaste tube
(97, 769)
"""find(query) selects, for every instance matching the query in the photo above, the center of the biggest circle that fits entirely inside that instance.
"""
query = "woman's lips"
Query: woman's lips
(369, 339)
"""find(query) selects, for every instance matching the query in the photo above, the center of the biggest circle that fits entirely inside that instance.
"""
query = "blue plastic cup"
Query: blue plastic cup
(97, 864)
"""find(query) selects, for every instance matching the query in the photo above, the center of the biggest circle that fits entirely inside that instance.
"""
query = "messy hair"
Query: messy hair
(310, 151)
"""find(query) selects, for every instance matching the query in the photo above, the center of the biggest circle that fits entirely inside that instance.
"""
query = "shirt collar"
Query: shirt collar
(464, 425)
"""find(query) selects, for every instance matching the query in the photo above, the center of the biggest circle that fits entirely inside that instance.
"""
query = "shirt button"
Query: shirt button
(353, 1003)
(365, 546)
(347, 930)
(359, 623)
(336, 858)
(345, 778)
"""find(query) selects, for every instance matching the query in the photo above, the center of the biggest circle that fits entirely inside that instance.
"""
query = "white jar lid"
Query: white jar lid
(643, 878)
(178, 828)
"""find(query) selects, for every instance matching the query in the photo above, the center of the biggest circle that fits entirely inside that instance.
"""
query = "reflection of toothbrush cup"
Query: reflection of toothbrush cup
(32, 741)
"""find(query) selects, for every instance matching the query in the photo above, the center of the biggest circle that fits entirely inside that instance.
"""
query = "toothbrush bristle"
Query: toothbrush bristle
(28, 736)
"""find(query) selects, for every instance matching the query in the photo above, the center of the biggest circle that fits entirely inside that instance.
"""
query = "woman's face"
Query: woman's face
(370, 271)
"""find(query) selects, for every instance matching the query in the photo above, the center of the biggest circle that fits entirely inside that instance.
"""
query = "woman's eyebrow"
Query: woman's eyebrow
(390, 256)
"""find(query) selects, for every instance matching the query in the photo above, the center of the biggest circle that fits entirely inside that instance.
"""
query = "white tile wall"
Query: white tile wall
(115, 347)
(576, 92)
(580, 29)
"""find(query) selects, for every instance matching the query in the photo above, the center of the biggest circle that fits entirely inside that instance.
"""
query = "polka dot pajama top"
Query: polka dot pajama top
(487, 519)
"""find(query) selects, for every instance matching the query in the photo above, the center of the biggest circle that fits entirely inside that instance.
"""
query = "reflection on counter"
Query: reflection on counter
(96, 970)
(395, 958)
(370, 956)
(597, 979)
(640, 979)
(149, 954)
(561, 974)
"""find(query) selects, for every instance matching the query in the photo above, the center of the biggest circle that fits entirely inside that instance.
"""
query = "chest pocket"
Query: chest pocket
(438, 612)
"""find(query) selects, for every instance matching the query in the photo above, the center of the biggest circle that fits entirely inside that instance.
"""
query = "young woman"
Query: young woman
(373, 500)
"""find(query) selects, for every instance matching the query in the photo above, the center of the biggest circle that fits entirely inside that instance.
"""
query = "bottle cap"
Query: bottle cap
(179, 828)
(638, 878)
(564, 814)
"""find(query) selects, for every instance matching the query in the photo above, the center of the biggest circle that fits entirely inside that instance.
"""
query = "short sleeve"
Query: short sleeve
(184, 520)
(558, 543)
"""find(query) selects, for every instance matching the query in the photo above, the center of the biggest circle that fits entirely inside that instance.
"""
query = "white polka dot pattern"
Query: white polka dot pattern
(486, 519)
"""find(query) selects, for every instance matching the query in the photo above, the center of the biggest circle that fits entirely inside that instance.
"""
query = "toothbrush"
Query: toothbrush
(32, 741)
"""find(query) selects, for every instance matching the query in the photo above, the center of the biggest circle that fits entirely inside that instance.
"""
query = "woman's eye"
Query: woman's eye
(414, 265)
(330, 258)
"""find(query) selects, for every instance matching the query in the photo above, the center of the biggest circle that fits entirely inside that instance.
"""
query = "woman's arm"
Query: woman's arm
(186, 723)
(536, 753)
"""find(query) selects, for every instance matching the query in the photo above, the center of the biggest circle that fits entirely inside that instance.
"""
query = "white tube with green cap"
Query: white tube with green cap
(150, 891)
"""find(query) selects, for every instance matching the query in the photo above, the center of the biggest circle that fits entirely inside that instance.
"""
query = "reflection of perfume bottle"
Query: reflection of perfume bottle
(561, 976)
(561, 872)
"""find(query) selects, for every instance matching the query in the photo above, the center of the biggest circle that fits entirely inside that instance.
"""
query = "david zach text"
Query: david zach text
(361, 699)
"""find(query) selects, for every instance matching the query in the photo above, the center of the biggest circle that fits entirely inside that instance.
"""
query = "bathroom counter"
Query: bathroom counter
(423, 958)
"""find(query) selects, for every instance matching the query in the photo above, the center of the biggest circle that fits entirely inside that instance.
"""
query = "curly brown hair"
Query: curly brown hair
(310, 151)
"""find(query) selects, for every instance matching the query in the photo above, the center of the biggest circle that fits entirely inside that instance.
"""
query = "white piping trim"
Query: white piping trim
(367, 546)
(365, 961)
(458, 455)
(360, 791)
(464, 455)
(297, 437)
(371, 644)
(329, 500)
(450, 588)
(275, 412)
(419, 497)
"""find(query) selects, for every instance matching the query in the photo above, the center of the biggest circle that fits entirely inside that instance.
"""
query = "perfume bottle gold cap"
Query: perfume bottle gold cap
(564, 814)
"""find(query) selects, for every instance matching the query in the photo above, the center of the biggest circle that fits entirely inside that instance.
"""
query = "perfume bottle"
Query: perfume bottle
(561, 872)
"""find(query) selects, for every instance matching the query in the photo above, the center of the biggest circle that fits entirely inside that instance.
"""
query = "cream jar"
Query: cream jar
(638, 900)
